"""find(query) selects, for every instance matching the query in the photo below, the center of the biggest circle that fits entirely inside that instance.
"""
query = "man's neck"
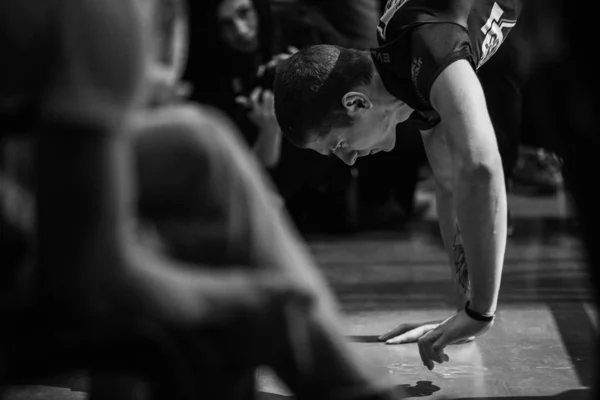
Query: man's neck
(384, 97)
(379, 94)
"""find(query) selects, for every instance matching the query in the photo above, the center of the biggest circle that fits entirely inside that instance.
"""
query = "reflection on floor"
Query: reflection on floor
(541, 344)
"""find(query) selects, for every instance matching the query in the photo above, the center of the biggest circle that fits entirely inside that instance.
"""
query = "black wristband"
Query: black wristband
(476, 316)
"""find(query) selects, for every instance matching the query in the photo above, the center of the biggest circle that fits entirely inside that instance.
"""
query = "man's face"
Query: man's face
(239, 25)
(373, 130)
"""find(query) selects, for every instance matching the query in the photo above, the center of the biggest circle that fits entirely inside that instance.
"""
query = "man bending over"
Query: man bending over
(347, 103)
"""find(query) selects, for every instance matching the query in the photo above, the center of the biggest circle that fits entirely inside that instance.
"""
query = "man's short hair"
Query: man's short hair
(309, 87)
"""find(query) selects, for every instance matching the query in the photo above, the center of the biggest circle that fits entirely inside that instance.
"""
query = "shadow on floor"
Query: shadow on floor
(420, 389)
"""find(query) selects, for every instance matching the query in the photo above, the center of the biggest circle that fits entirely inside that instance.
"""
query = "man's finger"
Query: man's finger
(427, 340)
(436, 343)
(438, 348)
(412, 335)
(427, 351)
(424, 356)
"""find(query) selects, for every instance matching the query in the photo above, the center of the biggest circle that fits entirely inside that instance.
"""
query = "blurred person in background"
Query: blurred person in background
(71, 270)
(239, 38)
(99, 290)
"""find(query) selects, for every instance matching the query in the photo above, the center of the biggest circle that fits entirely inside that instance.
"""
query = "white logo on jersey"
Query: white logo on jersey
(493, 33)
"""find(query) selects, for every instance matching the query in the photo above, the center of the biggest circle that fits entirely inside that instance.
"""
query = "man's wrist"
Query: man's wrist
(482, 307)
(477, 315)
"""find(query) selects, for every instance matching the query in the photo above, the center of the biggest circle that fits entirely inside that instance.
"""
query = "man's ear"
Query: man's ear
(356, 101)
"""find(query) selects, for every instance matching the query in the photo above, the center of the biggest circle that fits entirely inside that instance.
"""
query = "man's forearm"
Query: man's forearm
(453, 246)
(481, 212)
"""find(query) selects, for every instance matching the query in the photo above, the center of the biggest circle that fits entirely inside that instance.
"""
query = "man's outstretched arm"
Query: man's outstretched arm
(463, 154)
(479, 197)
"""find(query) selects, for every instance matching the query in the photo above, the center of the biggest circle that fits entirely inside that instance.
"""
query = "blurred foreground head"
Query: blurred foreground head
(69, 59)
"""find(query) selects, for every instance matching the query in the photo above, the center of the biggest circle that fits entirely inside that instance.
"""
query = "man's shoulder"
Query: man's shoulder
(418, 47)
(400, 16)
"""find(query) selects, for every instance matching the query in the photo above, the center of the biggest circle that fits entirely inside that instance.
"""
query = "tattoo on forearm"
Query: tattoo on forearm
(460, 262)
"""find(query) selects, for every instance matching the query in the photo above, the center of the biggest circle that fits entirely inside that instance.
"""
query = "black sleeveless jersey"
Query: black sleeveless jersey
(418, 39)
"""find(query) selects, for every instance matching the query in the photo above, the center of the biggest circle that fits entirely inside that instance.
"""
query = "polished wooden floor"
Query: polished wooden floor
(542, 343)
(540, 347)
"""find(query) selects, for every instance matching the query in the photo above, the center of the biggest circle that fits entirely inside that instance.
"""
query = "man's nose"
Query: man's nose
(348, 157)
